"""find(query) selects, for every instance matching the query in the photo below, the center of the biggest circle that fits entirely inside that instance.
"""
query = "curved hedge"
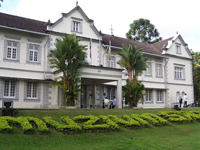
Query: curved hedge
(97, 123)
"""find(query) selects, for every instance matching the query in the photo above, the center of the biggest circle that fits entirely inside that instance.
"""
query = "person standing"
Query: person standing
(103, 100)
(114, 102)
(180, 101)
(185, 100)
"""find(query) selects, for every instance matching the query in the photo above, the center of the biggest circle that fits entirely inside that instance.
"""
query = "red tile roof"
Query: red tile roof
(22, 23)
(118, 41)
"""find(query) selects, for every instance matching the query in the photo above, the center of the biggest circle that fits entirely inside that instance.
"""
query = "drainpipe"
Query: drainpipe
(44, 88)
(45, 48)
(166, 61)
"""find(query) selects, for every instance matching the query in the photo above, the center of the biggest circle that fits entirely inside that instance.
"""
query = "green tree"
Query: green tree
(143, 31)
(68, 57)
(196, 75)
(133, 61)
(1, 1)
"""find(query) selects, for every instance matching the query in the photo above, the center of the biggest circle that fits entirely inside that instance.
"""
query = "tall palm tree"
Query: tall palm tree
(68, 57)
(133, 61)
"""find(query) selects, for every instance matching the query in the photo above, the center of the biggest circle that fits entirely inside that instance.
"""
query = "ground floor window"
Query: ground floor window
(9, 88)
(32, 90)
(149, 96)
(159, 96)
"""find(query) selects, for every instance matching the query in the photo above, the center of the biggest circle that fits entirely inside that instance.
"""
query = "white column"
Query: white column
(119, 93)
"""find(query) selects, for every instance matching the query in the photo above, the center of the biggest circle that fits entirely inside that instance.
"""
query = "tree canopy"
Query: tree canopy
(143, 31)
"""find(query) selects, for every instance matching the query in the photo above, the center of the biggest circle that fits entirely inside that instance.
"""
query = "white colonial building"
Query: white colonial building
(27, 79)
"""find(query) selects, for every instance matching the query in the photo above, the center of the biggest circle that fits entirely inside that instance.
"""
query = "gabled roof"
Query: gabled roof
(79, 9)
(159, 45)
(17, 22)
(118, 41)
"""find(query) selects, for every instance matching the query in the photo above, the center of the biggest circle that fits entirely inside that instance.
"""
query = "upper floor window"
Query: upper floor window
(178, 49)
(111, 62)
(158, 70)
(9, 88)
(148, 69)
(178, 73)
(32, 90)
(76, 26)
(11, 50)
(33, 53)
(149, 96)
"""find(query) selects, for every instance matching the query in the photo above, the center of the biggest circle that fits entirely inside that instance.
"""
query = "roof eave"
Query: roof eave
(33, 32)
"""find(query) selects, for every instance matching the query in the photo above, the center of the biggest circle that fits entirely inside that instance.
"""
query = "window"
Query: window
(33, 53)
(76, 26)
(159, 96)
(148, 69)
(178, 49)
(148, 95)
(11, 50)
(110, 93)
(178, 73)
(158, 70)
(9, 88)
(111, 62)
(31, 90)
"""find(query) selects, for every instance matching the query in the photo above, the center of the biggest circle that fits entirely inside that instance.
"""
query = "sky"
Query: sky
(169, 16)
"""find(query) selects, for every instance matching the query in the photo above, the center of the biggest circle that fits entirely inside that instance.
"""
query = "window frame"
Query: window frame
(178, 73)
(149, 96)
(178, 49)
(12, 48)
(9, 88)
(159, 96)
(33, 54)
(159, 67)
(111, 62)
(31, 90)
(148, 69)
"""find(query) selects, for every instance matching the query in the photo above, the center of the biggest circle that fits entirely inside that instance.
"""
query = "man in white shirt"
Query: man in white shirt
(185, 100)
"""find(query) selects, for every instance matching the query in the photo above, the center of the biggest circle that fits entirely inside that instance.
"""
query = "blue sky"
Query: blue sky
(168, 16)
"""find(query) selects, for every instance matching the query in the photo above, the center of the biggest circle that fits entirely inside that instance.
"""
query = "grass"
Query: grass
(170, 137)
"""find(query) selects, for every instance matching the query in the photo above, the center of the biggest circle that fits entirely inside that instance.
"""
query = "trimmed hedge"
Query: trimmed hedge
(97, 124)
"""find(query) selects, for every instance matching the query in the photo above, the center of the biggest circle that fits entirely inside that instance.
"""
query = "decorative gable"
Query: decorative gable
(76, 22)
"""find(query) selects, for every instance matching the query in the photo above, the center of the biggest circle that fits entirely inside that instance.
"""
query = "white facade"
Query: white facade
(27, 79)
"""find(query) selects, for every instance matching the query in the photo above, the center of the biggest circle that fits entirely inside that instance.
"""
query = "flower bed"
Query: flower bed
(72, 127)
(130, 124)
(4, 125)
(113, 125)
(90, 125)
(140, 120)
(96, 124)
(53, 124)
(146, 116)
(41, 126)
(159, 119)
(174, 116)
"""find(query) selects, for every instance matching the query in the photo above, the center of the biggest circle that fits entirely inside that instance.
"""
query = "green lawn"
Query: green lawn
(170, 137)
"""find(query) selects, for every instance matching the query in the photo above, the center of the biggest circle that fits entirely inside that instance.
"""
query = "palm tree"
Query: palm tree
(68, 57)
(133, 61)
